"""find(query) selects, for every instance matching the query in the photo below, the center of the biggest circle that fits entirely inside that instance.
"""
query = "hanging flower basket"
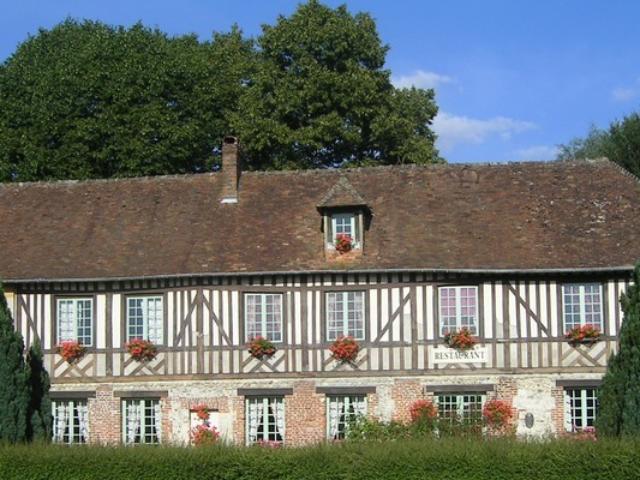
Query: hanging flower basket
(71, 350)
(142, 350)
(345, 349)
(260, 347)
(423, 410)
(343, 243)
(497, 414)
(586, 334)
(460, 340)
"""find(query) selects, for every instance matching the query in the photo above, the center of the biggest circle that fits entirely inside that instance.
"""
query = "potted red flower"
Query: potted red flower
(260, 347)
(422, 410)
(71, 350)
(345, 349)
(205, 433)
(142, 350)
(587, 334)
(497, 414)
(343, 243)
(461, 340)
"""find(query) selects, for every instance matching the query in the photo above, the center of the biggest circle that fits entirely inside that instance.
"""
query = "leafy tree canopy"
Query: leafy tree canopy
(88, 100)
(321, 97)
(620, 143)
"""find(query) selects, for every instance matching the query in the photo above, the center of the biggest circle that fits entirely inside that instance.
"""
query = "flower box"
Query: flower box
(260, 347)
(142, 350)
(585, 334)
(343, 243)
(460, 340)
(71, 350)
(345, 349)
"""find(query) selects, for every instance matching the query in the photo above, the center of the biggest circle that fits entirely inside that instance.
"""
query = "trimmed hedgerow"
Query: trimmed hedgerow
(449, 459)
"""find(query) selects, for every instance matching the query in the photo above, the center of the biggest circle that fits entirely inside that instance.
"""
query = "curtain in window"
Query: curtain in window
(134, 421)
(568, 420)
(157, 416)
(278, 406)
(66, 320)
(336, 411)
(256, 418)
(83, 420)
(60, 422)
(154, 319)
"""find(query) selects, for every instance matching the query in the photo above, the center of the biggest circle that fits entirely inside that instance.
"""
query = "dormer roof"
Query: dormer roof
(342, 194)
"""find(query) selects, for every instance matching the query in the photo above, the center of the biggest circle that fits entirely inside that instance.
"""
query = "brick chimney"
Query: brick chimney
(230, 170)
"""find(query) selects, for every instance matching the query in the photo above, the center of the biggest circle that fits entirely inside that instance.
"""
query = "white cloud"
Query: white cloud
(625, 94)
(421, 79)
(537, 152)
(454, 129)
(621, 94)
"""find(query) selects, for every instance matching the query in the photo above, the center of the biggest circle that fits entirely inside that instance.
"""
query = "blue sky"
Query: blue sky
(513, 79)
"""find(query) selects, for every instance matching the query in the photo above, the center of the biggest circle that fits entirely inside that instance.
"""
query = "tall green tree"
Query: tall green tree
(620, 393)
(39, 427)
(88, 100)
(321, 97)
(620, 143)
(14, 388)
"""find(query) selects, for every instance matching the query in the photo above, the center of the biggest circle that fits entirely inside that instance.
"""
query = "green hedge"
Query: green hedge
(445, 459)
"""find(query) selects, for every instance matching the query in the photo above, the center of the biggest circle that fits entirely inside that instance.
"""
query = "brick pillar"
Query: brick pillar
(104, 417)
(404, 394)
(305, 415)
(557, 416)
(237, 409)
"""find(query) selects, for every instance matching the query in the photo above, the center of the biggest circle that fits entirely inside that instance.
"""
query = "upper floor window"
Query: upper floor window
(75, 320)
(265, 420)
(458, 309)
(345, 315)
(463, 408)
(342, 411)
(581, 408)
(141, 421)
(345, 224)
(263, 316)
(582, 304)
(70, 421)
(145, 319)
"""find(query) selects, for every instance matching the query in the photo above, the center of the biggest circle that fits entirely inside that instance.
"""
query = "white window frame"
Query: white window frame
(145, 405)
(70, 421)
(354, 219)
(585, 413)
(266, 409)
(74, 301)
(334, 333)
(475, 327)
(263, 317)
(353, 407)
(158, 339)
(582, 306)
(462, 400)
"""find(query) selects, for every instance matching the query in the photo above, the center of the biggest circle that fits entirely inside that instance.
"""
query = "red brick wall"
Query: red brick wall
(404, 393)
(558, 412)
(104, 417)
(305, 417)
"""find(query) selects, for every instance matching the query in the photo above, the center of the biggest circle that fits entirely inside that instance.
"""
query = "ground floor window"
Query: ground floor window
(70, 421)
(581, 408)
(265, 420)
(141, 421)
(342, 410)
(465, 408)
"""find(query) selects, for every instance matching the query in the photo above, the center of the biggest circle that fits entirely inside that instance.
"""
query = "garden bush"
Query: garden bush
(449, 458)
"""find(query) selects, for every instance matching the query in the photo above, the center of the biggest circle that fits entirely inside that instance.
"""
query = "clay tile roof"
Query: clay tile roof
(520, 216)
(342, 194)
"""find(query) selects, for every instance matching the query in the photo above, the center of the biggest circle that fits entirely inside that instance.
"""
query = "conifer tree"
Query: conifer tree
(620, 394)
(39, 415)
(14, 388)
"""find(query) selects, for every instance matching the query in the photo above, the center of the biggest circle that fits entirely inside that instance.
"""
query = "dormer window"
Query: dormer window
(345, 217)
(344, 224)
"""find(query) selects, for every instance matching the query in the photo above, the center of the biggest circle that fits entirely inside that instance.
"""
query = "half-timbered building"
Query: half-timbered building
(199, 264)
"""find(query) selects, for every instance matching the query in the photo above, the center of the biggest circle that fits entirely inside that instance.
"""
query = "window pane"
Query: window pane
(145, 319)
(264, 419)
(458, 309)
(263, 316)
(582, 304)
(345, 315)
(75, 320)
(341, 412)
(70, 421)
(141, 421)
